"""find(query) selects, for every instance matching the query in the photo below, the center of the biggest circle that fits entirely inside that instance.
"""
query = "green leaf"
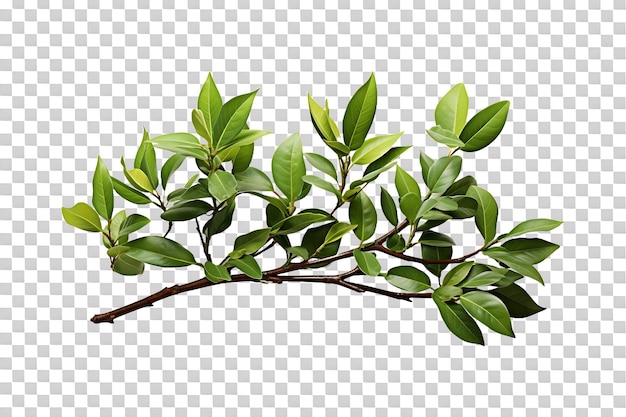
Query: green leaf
(125, 265)
(181, 143)
(389, 206)
(451, 111)
(374, 148)
(426, 207)
(447, 293)
(445, 137)
(489, 310)
(133, 223)
(306, 189)
(220, 221)
(242, 160)
(200, 124)
(442, 173)
(389, 156)
(362, 213)
(186, 211)
(410, 204)
(288, 167)
(128, 193)
(102, 191)
(396, 242)
(116, 223)
(248, 265)
(210, 102)
(460, 187)
(486, 212)
(222, 185)
(367, 262)
(339, 148)
(371, 176)
(484, 127)
(508, 278)
(458, 273)
(245, 137)
(482, 279)
(192, 193)
(534, 225)
(300, 251)
(436, 253)
(531, 251)
(159, 251)
(232, 119)
(512, 261)
(337, 231)
(405, 183)
(253, 179)
(331, 122)
(431, 238)
(466, 207)
(459, 322)
(322, 122)
(139, 179)
(170, 166)
(360, 114)
(216, 273)
(279, 203)
(446, 203)
(314, 238)
(429, 225)
(323, 184)
(323, 164)
(517, 301)
(82, 216)
(250, 243)
(299, 221)
(408, 278)
(425, 163)
(117, 250)
(147, 163)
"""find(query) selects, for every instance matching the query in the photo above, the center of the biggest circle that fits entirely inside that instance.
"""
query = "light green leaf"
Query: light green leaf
(181, 143)
(489, 310)
(146, 160)
(331, 122)
(200, 124)
(128, 193)
(484, 127)
(389, 206)
(410, 204)
(232, 119)
(314, 238)
(442, 173)
(186, 210)
(133, 223)
(253, 179)
(102, 191)
(517, 301)
(216, 273)
(299, 221)
(170, 166)
(405, 183)
(367, 262)
(323, 164)
(426, 207)
(320, 183)
(408, 278)
(210, 103)
(159, 251)
(249, 243)
(360, 114)
(192, 180)
(242, 160)
(300, 251)
(363, 214)
(486, 212)
(445, 137)
(446, 204)
(451, 111)
(139, 179)
(459, 322)
(482, 279)
(339, 148)
(244, 138)
(82, 216)
(447, 293)
(531, 251)
(222, 185)
(125, 265)
(322, 122)
(116, 223)
(371, 176)
(374, 148)
(512, 261)
(288, 166)
(425, 163)
(337, 231)
(117, 250)
(389, 156)
(457, 274)
(534, 225)
(248, 265)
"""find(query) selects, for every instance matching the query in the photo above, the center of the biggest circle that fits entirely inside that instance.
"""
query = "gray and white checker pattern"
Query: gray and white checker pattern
(78, 79)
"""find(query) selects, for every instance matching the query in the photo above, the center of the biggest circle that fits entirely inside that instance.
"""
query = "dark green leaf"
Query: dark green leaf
(405, 183)
(531, 251)
(436, 253)
(374, 148)
(210, 102)
(447, 293)
(279, 203)
(436, 215)
(315, 237)
(117, 251)
(102, 191)
(425, 163)
(323, 184)
(410, 204)
(396, 242)
(431, 238)
(132, 223)
(451, 111)
(170, 166)
(426, 207)
(248, 265)
(459, 322)
(253, 179)
(323, 164)
(242, 160)
(363, 214)
(390, 156)
(514, 262)
(442, 173)
(148, 161)
(367, 262)
(216, 273)
(299, 221)
(192, 193)
(306, 189)
(489, 310)
(220, 221)
(181, 143)
(222, 185)
(159, 251)
(408, 278)
(460, 187)
(508, 278)
(186, 211)
(429, 225)
(82, 216)
(389, 206)
(288, 167)
(535, 225)
(339, 148)
(445, 137)
(125, 265)
(128, 193)
(482, 279)
(486, 212)
(458, 273)
(466, 207)
(273, 215)
(232, 119)
(445, 203)
(517, 301)
(360, 114)
(250, 243)
(484, 127)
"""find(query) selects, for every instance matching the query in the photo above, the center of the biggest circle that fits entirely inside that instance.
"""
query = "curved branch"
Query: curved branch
(402, 255)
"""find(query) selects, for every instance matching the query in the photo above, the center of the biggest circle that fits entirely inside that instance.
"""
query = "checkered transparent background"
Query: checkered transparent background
(76, 82)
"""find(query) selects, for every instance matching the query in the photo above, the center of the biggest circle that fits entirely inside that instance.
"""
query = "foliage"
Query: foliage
(222, 148)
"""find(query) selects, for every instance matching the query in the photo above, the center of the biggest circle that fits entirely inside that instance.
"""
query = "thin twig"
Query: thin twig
(205, 243)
